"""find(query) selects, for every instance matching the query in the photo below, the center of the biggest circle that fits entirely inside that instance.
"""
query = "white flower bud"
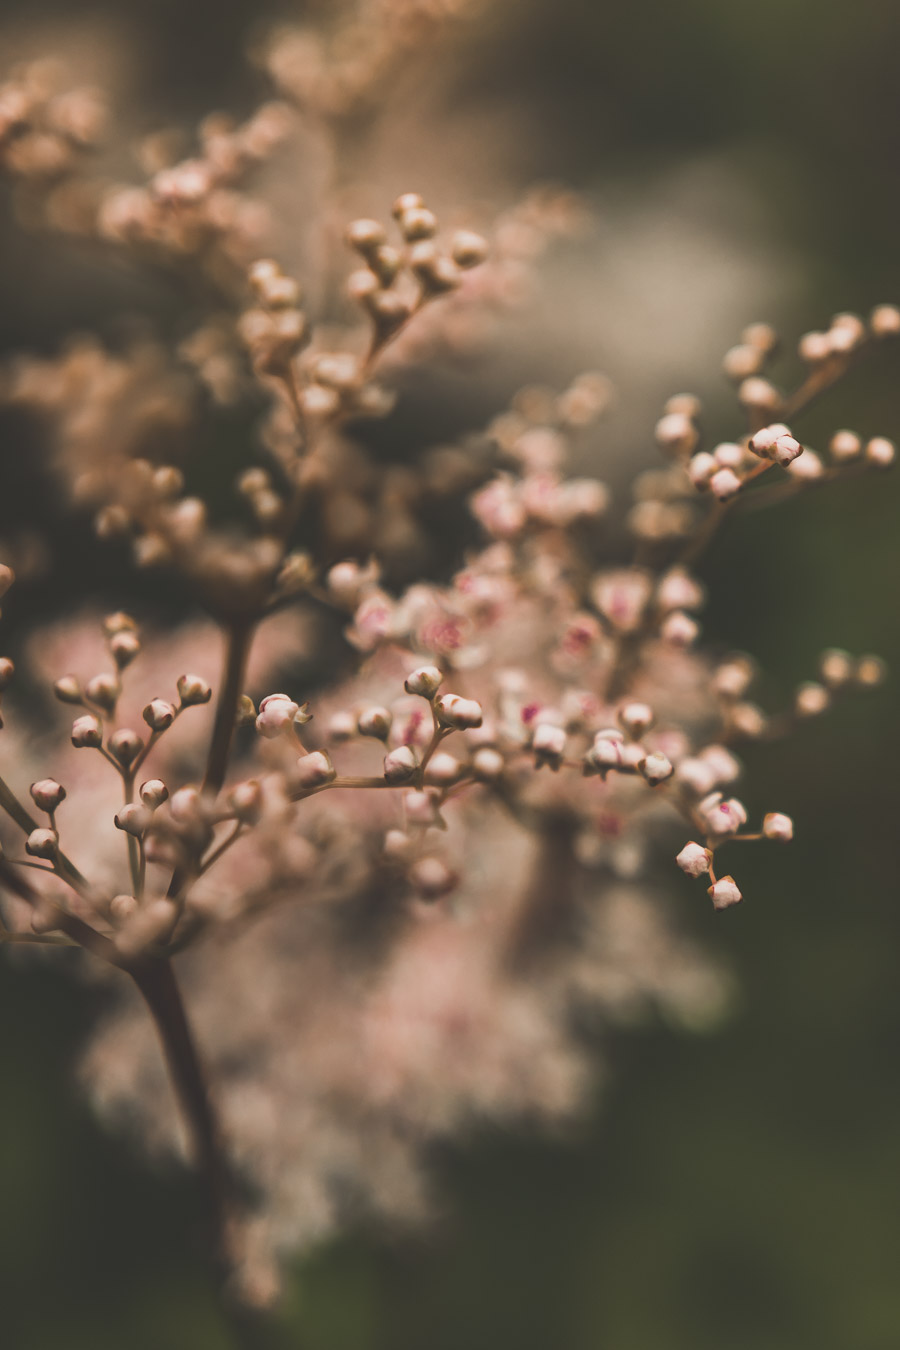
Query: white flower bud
(884, 321)
(778, 826)
(837, 667)
(787, 449)
(425, 681)
(488, 763)
(636, 718)
(276, 714)
(679, 590)
(342, 726)
(458, 713)
(656, 768)
(729, 455)
(676, 432)
(400, 764)
(193, 690)
(121, 909)
(811, 699)
(694, 859)
(814, 347)
(397, 843)
(185, 805)
(42, 844)
(722, 817)
(733, 678)
(125, 745)
(696, 775)
(7, 670)
(432, 878)
(86, 731)
(759, 394)
(153, 793)
(133, 819)
(844, 446)
(67, 689)
(246, 800)
(421, 808)
(748, 719)
(724, 485)
(880, 452)
(808, 468)
(679, 629)
(47, 794)
(315, 769)
(158, 714)
(724, 893)
(442, 770)
(103, 690)
(870, 671)
(549, 745)
(701, 468)
(605, 753)
(468, 249)
(124, 648)
(375, 722)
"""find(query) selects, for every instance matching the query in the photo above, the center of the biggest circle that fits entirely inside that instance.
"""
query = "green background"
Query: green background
(737, 1191)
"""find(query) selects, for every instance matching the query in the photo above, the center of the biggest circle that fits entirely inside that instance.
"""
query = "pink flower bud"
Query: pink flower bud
(246, 800)
(125, 745)
(103, 690)
(696, 775)
(7, 670)
(432, 878)
(778, 826)
(549, 745)
(884, 321)
(694, 859)
(193, 690)
(421, 808)
(400, 764)
(488, 763)
(133, 819)
(679, 590)
(158, 714)
(880, 452)
(47, 794)
(724, 485)
(7, 577)
(724, 893)
(808, 468)
(124, 648)
(468, 248)
(315, 770)
(679, 629)
(342, 726)
(42, 844)
(276, 714)
(186, 805)
(656, 768)
(425, 681)
(729, 455)
(443, 770)
(86, 731)
(787, 449)
(722, 817)
(458, 713)
(636, 718)
(701, 468)
(811, 699)
(375, 722)
(722, 762)
(153, 793)
(844, 447)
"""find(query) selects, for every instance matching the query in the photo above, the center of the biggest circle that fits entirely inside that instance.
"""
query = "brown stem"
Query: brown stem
(239, 636)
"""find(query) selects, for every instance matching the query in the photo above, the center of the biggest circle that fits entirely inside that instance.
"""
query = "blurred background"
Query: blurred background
(738, 1189)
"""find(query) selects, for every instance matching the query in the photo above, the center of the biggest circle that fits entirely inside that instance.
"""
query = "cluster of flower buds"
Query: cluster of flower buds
(722, 819)
(45, 129)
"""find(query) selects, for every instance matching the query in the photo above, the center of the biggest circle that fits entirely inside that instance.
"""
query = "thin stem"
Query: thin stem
(239, 636)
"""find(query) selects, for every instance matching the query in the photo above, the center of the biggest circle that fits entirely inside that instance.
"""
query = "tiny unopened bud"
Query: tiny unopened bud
(443, 770)
(694, 859)
(807, 468)
(153, 793)
(421, 808)
(158, 714)
(884, 321)
(880, 452)
(778, 826)
(724, 485)
(844, 446)
(47, 794)
(786, 450)
(276, 715)
(120, 622)
(425, 681)
(375, 722)
(814, 347)
(679, 629)
(7, 577)
(246, 712)
(748, 720)
(870, 671)
(657, 767)
(315, 769)
(696, 775)
(125, 745)
(811, 699)
(246, 800)
(400, 764)
(42, 844)
(742, 360)
(549, 745)
(342, 726)
(87, 732)
(193, 690)
(759, 394)
(103, 690)
(676, 432)
(701, 468)
(7, 671)
(729, 455)
(837, 667)
(365, 236)
(468, 249)
(723, 816)
(722, 762)
(408, 201)
(458, 713)
(636, 718)
(724, 893)
(397, 843)
(432, 878)
(121, 909)
(133, 819)
(124, 648)
(418, 223)
(733, 678)
(488, 763)
(185, 805)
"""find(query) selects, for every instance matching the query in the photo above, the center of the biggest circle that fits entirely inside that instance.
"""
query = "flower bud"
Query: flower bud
(418, 223)
(679, 629)
(7, 577)
(432, 878)
(724, 893)
(701, 468)
(42, 844)
(488, 763)
(656, 768)
(47, 794)
(421, 808)
(808, 468)
(694, 859)
(729, 455)
(724, 485)
(67, 689)
(844, 446)
(722, 817)
(786, 450)
(884, 321)
(400, 764)
(696, 775)
(246, 800)
(636, 718)
(425, 681)
(153, 793)
(133, 818)
(397, 844)
(722, 763)
(124, 648)
(315, 770)
(342, 726)
(442, 770)
(125, 745)
(375, 722)
(778, 826)
(193, 690)
(458, 713)
(185, 805)
(103, 690)
(549, 745)
(7, 670)
(870, 671)
(811, 699)
(679, 590)
(276, 714)
(880, 452)
(733, 678)
(121, 909)
(86, 731)
(409, 201)
(365, 236)
(468, 249)
(158, 714)
(836, 667)
(748, 719)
